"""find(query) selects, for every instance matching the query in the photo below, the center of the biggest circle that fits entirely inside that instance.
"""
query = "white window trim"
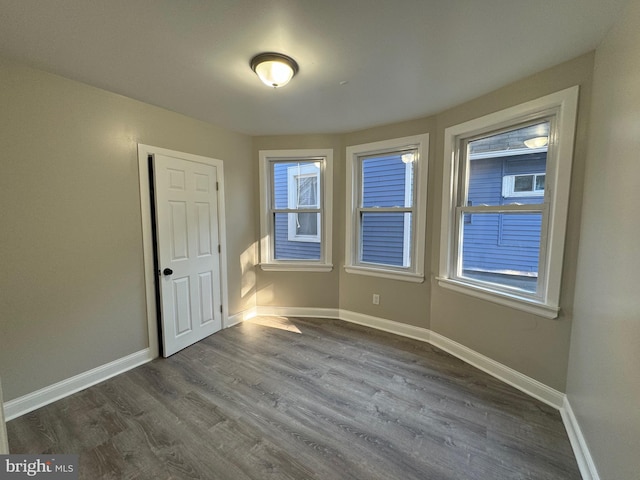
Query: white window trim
(415, 272)
(508, 185)
(267, 262)
(558, 179)
(293, 174)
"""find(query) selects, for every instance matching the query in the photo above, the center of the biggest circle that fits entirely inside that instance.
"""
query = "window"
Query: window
(303, 181)
(505, 203)
(523, 185)
(386, 202)
(296, 206)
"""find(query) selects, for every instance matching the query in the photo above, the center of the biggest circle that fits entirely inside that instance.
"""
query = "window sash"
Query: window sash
(456, 266)
(409, 233)
(292, 211)
(312, 163)
(416, 149)
(562, 107)
(410, 197)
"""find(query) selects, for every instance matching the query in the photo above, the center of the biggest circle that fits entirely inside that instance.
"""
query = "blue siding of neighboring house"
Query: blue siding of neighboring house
(500, 242)
(383, 233)
(284, 248)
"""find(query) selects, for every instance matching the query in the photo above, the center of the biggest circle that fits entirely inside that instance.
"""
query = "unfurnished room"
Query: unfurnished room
(288, 239)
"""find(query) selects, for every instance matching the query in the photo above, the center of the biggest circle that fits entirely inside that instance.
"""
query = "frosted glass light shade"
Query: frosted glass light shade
(536, 142)
(274, 69)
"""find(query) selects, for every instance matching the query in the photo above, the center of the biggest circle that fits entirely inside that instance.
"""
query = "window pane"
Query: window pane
(306, 223)
(502, 248)
(295, 184)
(386, 238)
(540, 182)
(523, 183)
(499, 166)
(288, 249)
(307, 191)
(387, 181)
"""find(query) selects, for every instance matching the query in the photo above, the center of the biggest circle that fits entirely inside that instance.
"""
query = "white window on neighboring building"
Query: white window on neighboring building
(303, 184)
(511, 251)
(527, 185)
(296, 209)
(386, 208)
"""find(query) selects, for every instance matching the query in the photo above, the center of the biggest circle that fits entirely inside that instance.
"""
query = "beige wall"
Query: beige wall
(72, 285)
(603, 384)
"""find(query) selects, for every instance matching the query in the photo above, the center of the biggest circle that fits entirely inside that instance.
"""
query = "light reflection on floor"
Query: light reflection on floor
(281, 323)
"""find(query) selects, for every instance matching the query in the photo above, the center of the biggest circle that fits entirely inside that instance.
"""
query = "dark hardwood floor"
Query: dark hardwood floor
(303, 399)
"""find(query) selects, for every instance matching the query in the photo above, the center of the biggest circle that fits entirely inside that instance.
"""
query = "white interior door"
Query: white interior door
(188, 251)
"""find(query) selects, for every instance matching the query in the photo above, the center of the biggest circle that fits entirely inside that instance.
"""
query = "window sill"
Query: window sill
(296, 267)
(383, 273)
(513, 301)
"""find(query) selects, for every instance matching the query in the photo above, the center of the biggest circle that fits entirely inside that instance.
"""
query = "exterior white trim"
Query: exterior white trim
(509, 181)
(563, 106)
(326, 206)
(578, 443)
(293, 176)
(507, 153)
(32, 401)
(421, 143)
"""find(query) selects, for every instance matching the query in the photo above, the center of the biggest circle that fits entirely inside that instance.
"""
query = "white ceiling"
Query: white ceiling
(400, 59)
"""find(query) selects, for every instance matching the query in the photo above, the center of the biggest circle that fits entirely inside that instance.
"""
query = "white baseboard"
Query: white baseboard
(402, 329)
(298, 312)
(508, 375)
(578, 442)
(32, 401)
(240, 317)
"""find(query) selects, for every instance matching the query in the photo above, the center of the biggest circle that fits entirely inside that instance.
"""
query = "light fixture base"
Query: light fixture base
(274, 69)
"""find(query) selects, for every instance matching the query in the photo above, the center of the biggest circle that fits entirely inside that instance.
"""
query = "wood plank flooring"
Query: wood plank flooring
(303, 399)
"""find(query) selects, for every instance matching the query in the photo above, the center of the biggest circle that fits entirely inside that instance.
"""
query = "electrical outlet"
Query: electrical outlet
(376, 299)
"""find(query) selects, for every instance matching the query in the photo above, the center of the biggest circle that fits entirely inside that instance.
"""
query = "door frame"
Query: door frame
(148, 246)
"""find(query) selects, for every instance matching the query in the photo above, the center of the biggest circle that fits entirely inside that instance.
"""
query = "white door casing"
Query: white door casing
(190, 226)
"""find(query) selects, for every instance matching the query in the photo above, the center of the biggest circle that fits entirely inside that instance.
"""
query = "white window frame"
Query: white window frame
(562, 106)
(509, 181)
(267, 209)
(293, 175)
(414, 255)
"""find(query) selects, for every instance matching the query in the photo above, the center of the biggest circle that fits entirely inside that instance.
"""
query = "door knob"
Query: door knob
(167, 271)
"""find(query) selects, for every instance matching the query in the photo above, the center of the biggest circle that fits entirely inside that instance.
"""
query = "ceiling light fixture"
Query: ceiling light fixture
(536, 142)
(274, 69)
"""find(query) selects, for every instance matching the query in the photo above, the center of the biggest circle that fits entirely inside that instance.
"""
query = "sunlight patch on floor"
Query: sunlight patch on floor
(281, 323)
